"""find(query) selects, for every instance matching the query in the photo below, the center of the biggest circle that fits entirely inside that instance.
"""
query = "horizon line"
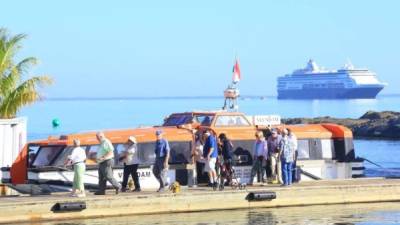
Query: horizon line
(170, 97)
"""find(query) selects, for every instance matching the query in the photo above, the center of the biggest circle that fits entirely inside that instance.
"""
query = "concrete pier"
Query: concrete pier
(38, 208)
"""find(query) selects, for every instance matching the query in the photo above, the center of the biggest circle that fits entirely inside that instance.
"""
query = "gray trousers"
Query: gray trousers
(257, 169)
(106, 174)
(159, 172)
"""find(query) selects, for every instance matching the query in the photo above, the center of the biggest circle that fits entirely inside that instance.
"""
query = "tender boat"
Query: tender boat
(325, 151)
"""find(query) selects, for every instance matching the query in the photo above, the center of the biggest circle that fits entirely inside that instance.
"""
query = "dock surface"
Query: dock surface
(39, 208)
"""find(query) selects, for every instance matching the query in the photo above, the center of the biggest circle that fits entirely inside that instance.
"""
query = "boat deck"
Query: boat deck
(38, 208)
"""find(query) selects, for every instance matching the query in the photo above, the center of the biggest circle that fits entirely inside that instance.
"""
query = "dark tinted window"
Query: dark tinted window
(63, 156)
(32, 151)
(146, 153)
(46, 155)
(180, 152)
(175, 119)
(204, 120)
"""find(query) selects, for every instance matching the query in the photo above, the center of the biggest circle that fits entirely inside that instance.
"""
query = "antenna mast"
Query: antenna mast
(231, 93)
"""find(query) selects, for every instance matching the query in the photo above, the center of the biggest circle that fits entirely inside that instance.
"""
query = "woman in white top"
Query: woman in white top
(77, 159)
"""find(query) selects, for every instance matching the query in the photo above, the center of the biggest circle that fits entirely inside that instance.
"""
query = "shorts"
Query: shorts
(210, 165)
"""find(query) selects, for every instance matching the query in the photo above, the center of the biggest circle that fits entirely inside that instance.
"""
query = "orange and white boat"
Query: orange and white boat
(325, 151)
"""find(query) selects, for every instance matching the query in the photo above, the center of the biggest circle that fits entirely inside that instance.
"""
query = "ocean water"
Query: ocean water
(81, 115)
(84, 115)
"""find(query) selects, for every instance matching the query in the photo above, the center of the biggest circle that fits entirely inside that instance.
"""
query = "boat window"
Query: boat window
(91, 153)
(64, 154)
(146, 153)
(119, 149)
(315, 148)
(303, 149)
(327, 148)
(176, 120)
(32, 151)
(204, 120)
(233, 121)
(180, 152)
(46, 155)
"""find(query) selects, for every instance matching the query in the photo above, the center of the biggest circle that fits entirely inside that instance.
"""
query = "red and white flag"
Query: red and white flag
(236, 72)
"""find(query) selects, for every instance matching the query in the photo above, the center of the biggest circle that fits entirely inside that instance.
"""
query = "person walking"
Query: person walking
(131, 163)
(210, 154)
(260, 151)
(77, 159)
(273, 147)
(287, 157)
(105, 159)
(227, 155)
(160, 167)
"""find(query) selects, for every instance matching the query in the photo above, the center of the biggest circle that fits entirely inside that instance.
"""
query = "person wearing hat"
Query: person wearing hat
(131, 161)
(160, 168)
(273, 147)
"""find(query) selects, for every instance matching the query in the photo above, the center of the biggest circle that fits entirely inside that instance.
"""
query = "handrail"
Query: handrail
(376, 164)
(310, 175)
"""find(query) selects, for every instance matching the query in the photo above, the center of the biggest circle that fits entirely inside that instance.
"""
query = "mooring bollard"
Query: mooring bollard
(68, 206)
(261, 196)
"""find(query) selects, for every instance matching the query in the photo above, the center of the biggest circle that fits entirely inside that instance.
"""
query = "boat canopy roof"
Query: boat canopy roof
(145, 134)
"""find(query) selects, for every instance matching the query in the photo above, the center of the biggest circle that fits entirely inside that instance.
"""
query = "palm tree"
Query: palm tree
(14, 91)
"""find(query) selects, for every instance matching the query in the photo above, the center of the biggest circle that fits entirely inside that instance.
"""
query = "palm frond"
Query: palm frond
(13, 76)
(25, 94)
(26, 64)
(8, 48)
(9, 82)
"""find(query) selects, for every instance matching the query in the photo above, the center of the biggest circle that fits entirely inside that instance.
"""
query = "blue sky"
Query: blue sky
(187, 48)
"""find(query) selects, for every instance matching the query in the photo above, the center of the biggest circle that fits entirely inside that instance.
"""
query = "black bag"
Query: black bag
(296, 174)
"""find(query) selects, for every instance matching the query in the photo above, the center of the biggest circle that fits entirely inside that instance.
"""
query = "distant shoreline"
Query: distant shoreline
(371, 125)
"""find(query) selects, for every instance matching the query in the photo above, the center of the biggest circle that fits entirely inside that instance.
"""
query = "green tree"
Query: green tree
(15, 91)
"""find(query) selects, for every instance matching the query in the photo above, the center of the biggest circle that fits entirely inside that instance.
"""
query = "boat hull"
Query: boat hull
(332, 93)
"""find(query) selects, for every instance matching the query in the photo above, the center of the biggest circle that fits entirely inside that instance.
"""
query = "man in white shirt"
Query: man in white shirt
(130, 157)
(260, 153)
(77, 159)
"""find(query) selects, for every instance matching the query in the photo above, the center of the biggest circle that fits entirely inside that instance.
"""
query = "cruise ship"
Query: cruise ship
(313, 82)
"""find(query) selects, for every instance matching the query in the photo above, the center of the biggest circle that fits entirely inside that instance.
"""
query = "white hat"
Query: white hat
(133, 139)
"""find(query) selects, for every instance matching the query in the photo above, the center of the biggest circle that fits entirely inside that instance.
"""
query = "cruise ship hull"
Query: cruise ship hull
(331, 93)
